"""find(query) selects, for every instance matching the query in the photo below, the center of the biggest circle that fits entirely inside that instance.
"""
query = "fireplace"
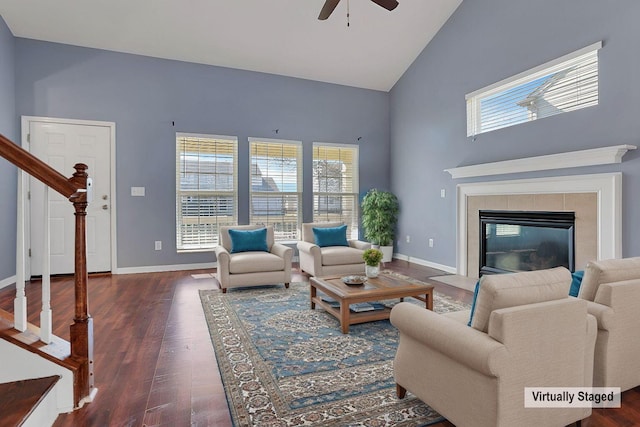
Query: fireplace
(513, 241)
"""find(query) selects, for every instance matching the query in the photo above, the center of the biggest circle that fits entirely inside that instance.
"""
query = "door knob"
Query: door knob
(105, 207)
(105, 197)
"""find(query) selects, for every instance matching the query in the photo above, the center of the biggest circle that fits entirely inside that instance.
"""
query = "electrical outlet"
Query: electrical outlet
(430, 243)
(408, 239)
(443, 193)
(158, 245)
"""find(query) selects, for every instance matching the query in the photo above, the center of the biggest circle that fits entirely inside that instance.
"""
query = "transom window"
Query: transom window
(276, 186)
(206, 189)
(565, 84)
(335, 185)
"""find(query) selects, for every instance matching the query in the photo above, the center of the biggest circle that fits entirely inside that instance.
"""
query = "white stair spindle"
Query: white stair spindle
(20, 301)
(45, 314)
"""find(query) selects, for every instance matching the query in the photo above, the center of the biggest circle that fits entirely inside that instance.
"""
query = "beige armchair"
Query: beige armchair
(252, 268)
(329, 260)
(612, 289)
(526, 332)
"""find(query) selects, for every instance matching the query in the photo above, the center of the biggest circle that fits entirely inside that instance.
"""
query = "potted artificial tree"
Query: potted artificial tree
(379, 217)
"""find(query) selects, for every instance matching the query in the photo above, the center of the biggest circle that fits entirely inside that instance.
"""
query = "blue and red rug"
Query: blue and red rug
(283, 364)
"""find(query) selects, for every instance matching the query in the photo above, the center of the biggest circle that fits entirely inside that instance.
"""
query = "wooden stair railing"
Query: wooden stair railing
(74, 189)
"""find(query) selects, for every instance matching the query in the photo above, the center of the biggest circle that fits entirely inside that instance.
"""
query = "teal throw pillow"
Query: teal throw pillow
(248, 240)
(473, 303)
(576, 282)
(330, 236)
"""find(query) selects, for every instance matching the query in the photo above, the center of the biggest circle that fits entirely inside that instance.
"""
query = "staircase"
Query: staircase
(42, 375)
(28, 402)
(25, 358)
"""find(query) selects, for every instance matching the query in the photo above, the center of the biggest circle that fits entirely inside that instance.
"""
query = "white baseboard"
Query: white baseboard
(425, 263)
(145, 269)
(163, 268)
(88, 399)
(8, 281)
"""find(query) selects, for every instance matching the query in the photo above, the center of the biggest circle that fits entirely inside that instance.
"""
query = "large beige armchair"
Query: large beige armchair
(252, 268)
(526, 332)
(329, 260)
(612, 289)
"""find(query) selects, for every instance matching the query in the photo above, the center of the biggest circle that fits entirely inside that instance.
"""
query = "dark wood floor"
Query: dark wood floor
(154, 362)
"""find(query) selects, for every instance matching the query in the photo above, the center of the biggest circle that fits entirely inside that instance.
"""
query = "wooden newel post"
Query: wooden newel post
(75, 188)
(81, 331)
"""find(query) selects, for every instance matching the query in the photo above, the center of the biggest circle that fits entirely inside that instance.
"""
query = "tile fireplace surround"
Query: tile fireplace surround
(595, 199)
(584, 205)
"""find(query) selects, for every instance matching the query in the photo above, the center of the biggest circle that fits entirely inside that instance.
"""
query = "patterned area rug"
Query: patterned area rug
(283, 364)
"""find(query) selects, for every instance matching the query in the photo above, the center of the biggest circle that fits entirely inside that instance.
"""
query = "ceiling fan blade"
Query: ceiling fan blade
(387, 4)
(327, 9)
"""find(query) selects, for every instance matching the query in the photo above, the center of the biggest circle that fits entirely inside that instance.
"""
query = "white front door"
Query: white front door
(62, 144)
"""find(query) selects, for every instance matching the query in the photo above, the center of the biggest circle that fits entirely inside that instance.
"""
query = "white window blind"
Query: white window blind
(335, 185)
(206, 189)
(565, 84)
(276, 186)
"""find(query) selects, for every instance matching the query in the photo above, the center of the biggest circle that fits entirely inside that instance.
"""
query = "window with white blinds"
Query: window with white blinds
(206, 189)
(276, 186)
(565, 84)
(335, 185)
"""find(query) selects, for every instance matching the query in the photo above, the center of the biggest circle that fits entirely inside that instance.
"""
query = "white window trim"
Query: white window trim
(523, 77)
(535, 72)
(235, 181)
(205, 136)
(356, 177)
(298, 177)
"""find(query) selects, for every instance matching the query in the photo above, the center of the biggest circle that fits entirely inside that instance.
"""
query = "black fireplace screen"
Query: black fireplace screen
(512, 241)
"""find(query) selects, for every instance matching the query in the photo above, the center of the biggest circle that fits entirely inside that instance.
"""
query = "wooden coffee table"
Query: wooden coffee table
(374, 289)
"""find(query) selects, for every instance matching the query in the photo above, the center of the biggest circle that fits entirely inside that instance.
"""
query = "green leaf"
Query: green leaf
(379, 216)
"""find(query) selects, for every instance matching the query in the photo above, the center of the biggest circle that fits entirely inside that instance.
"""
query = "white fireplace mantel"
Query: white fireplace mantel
(571, 159)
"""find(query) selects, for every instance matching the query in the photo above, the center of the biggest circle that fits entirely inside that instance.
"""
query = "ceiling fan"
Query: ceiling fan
(330, 5)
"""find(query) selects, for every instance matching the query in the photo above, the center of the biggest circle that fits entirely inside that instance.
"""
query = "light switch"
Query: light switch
(137, 191)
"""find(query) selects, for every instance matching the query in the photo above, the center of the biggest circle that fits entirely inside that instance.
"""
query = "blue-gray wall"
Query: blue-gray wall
(484, 42)
(143, 96)
(8, 172)
(421, 124)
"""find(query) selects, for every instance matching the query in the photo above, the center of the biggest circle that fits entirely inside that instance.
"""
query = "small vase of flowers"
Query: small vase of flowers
(372, 258)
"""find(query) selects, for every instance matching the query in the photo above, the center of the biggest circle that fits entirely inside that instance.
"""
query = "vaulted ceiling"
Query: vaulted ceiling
(273, 36)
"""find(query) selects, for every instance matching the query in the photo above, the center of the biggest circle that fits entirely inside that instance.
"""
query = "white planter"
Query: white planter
(371, 270)
(387, 253)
